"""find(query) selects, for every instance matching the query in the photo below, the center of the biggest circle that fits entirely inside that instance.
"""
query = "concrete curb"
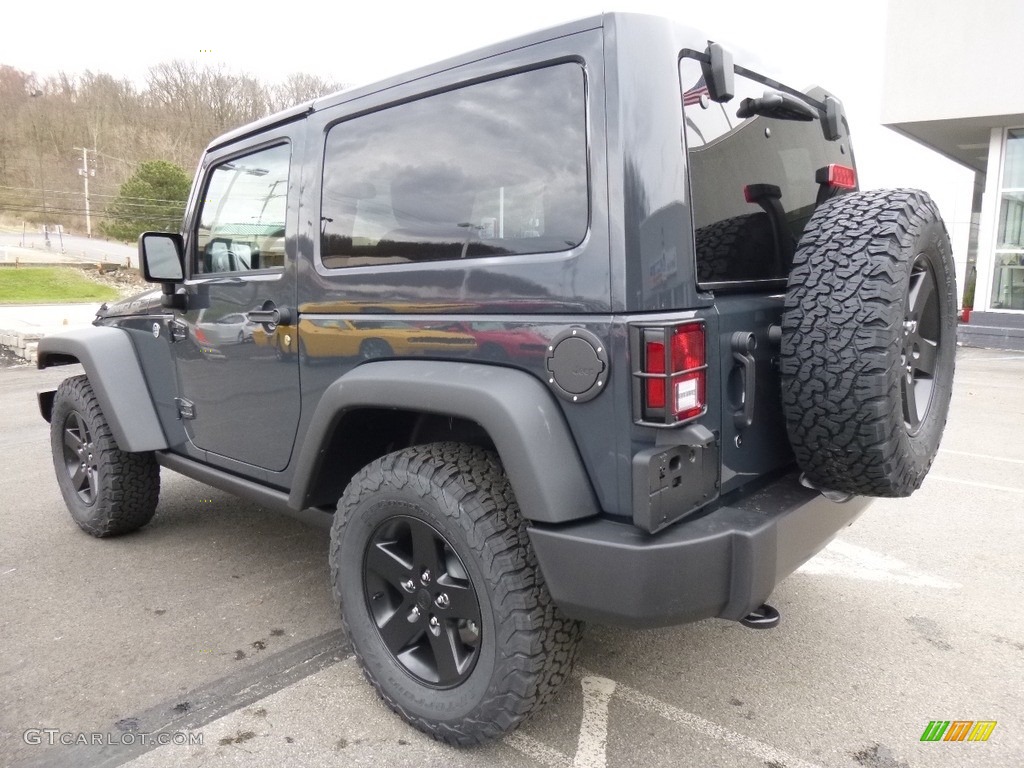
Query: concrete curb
(23, 325)
(23, 345)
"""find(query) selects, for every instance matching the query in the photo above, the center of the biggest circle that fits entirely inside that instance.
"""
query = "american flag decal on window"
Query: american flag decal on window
(696, 93)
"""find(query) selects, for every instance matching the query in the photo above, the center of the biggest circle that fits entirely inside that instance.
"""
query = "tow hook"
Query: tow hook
(765, 617)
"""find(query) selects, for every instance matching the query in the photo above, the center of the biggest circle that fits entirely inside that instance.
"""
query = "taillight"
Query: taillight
(837, 176)
(655, 364)
(673, 373)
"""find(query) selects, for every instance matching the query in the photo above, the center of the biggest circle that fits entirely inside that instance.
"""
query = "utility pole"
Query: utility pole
(85, 173)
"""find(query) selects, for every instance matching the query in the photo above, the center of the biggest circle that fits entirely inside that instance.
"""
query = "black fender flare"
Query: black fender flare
(517, 411)
(113, 368)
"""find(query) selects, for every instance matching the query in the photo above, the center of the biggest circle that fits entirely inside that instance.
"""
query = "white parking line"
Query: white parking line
(594, 729)
(986, 456)
(973, 484)
(705, 727)
(842, 559)
(593, 741)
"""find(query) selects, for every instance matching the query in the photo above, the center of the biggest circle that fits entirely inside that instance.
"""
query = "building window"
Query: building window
(491, 169)
(1008, 275)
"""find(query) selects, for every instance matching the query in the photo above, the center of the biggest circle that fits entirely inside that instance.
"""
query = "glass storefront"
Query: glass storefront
(1008, 273)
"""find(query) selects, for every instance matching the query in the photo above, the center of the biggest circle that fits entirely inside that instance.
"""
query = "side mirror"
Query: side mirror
(160, 256)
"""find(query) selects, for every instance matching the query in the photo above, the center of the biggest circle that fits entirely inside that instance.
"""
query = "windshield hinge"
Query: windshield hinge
(186, 408)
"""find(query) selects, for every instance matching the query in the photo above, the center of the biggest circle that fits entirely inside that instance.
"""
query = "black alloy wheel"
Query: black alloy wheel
(81, 458)
(418, 592)
(921, 332)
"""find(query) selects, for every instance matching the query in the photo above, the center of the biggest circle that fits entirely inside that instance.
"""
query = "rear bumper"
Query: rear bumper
(723, 564)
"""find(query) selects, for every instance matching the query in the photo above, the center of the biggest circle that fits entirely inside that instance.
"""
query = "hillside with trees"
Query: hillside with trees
(45, 123)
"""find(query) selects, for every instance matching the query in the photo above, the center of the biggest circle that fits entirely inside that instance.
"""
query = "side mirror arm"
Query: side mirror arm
(172, 298)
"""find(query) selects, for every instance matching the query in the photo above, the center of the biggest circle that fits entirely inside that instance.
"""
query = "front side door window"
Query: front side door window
(242, 223)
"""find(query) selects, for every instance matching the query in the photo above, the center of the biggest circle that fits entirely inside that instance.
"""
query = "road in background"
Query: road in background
(31, 248)
(217, 618)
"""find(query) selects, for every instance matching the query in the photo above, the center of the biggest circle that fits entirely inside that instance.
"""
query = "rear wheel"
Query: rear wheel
(108, 491)
(441, 595)
(869, 341)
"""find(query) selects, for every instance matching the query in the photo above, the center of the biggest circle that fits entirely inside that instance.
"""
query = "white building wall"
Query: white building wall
(960, 50)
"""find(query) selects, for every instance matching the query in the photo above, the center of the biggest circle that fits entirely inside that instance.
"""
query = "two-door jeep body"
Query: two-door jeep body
(593, 325)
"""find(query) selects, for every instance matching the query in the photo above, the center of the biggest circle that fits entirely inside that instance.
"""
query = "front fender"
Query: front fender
(110, 362)
(518, 413)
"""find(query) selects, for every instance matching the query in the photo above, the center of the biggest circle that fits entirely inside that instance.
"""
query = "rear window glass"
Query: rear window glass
(494, 168)
(771, 161)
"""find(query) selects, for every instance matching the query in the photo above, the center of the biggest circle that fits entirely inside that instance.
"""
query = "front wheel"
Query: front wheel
(108, 491)
(441, 596)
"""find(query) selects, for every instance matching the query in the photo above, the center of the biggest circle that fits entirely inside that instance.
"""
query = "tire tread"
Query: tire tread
(841, 343)
(129, 485)
(539, 645)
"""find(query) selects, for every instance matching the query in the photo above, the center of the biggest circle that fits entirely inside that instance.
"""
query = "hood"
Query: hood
(143, 303)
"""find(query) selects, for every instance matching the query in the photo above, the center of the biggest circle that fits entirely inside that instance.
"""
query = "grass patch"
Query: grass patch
(50, 285)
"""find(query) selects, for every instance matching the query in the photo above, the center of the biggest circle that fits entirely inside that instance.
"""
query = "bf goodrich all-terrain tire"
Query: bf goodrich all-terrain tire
(868, 342)
(441, 596)
(108, 491)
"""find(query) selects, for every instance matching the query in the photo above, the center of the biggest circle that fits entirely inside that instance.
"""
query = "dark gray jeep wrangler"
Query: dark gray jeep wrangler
(593, 325)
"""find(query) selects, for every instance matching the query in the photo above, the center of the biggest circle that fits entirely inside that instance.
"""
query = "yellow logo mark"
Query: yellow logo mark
(981, 730)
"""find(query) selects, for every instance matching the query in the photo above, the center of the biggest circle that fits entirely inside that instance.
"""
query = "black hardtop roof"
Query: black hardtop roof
(523, 41)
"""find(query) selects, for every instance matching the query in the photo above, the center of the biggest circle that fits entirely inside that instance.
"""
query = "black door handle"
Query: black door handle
(271, 315)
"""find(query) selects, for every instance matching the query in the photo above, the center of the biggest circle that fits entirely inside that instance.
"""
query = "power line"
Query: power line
(48, 210)
(67, 192)
(139, 208)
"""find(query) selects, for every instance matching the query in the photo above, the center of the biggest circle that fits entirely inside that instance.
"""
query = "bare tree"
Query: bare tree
(180, 109)
(300, 87)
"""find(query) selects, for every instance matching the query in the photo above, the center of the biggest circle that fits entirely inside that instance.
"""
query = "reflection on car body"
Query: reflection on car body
(504, 341)
(332, 337)
(233, 328)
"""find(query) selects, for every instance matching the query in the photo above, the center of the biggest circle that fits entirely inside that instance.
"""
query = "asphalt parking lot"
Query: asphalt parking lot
(215, 622)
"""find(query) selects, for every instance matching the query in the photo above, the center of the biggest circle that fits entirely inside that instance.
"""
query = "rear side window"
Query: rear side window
(494, 168)
(752, 181)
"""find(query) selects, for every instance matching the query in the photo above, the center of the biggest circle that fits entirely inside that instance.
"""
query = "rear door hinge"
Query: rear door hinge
(186, 408)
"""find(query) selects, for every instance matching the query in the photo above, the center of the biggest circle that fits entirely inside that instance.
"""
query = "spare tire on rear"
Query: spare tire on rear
(868, 342)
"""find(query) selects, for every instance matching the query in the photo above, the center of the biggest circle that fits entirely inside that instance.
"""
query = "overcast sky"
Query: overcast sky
(837, 46)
